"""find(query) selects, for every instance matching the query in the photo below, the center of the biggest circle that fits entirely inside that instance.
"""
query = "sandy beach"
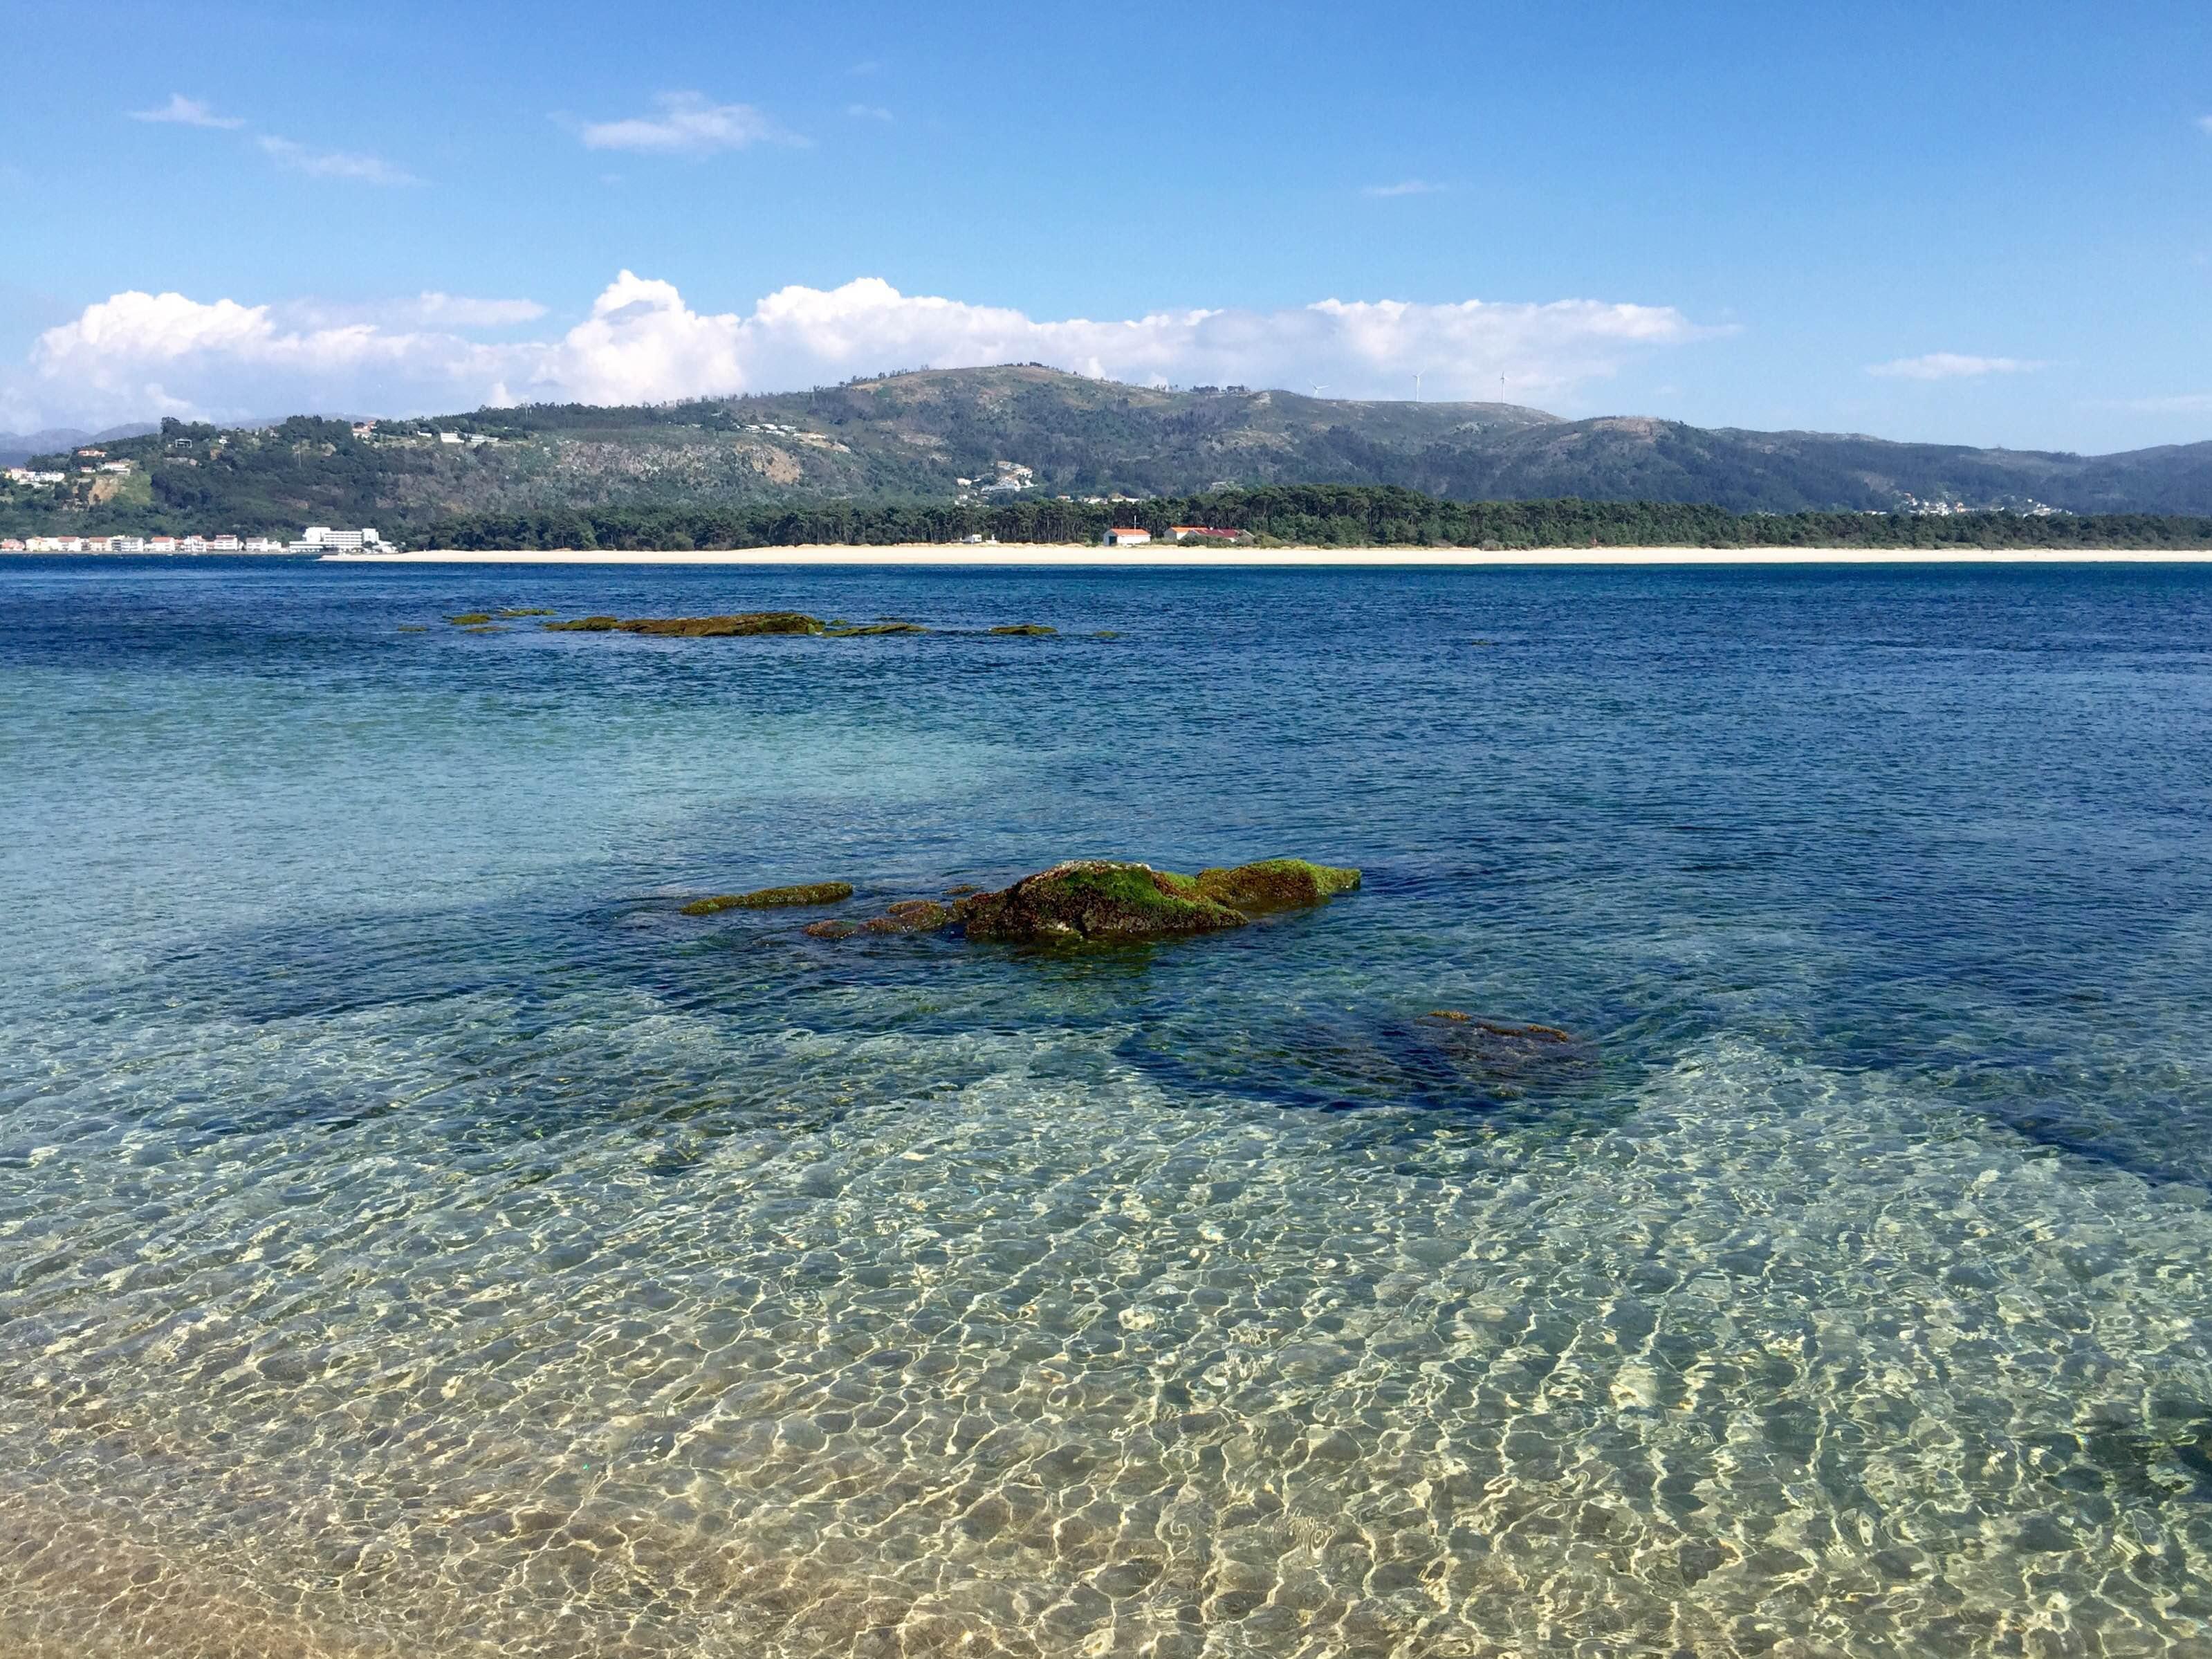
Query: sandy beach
(1170, 556)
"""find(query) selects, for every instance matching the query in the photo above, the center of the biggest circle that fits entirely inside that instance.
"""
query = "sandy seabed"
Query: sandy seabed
(1173, 558)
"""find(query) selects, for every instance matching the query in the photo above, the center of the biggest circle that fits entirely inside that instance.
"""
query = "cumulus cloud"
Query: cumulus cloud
(643, 343)
(187, 112)
(136, 354)
(1951, 366)
(334, 164)
(1403, 187)
(688, 123)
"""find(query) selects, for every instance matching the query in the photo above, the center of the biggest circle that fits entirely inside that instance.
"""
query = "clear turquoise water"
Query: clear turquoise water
(416, 1238)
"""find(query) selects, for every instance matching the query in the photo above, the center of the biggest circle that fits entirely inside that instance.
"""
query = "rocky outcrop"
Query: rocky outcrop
(772, 898)
(1104, 900)
(696, 628)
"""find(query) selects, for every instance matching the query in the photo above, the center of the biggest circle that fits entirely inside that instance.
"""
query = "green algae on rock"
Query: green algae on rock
(913, 916)
(1108, 901)
(835, 927)
(856, 630)
(1275, 884)
(1032, 630)
(772, 898)
(539, 612)
(696, 628)
(470, 619)
(1096, 899)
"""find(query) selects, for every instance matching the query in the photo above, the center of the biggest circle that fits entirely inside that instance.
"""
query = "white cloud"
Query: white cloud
(2186, 403)
(1951, 366)
(2204, 123)
(422, 311)
(867, 112)
(135, 353)
(688, 124)
(334, 164)
(187, 112)
(1404, 187)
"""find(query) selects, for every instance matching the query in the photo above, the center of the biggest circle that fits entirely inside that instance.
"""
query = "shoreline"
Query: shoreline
(1170, 556)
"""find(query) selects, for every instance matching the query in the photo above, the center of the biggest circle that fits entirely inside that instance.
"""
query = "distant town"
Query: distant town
(316, 539)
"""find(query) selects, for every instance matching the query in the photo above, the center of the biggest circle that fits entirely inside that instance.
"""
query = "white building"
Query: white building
(321, 538)
(223, 544)
(1118, 537)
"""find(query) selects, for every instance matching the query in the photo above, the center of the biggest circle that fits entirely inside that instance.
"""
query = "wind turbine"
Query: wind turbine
(1417, 386)
(1318, 390)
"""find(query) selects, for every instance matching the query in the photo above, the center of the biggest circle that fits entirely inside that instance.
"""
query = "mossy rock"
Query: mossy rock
(1275, 884)
(1106, 634)
(772, 898)
(857, 630)
(470, 619)
(697, 627)
(485, 628)
(914, 916)
(529, 613)
(1104, 900)
(1026, 630)
(835, 927)
(1091, 900)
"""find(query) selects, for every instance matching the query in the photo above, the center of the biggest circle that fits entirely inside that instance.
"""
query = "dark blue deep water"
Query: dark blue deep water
(418, 1238)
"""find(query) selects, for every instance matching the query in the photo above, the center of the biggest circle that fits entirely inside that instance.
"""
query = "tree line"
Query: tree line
(1319, 515)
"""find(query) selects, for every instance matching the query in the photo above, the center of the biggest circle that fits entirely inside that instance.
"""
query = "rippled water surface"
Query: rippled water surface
(417, 1239)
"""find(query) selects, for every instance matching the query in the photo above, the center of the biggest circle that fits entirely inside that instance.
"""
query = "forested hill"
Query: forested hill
(1026, 434)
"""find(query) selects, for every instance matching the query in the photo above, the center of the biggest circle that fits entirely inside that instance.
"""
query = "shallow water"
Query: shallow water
(417, 1239)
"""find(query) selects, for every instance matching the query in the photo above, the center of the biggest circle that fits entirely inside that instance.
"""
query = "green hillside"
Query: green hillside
(1026, 434)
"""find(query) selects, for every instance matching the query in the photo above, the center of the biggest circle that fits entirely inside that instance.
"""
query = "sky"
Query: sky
(1967, 222)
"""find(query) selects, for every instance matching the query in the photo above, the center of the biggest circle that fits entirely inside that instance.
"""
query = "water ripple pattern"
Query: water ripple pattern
(418, 1239)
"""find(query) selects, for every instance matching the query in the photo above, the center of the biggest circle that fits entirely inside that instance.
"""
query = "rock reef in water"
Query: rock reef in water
(913, 916)
(772, 898)
(470, 619)
(696, 628)
(1104, 900)
(1028, 630)
(857, 630)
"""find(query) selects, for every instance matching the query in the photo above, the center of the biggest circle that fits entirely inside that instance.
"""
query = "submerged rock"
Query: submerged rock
(913, 916)
(855, 630)
(1032, 630)
(772, 898)
(470, 619)
(835, 927)
(538, 612)
(1103, 899)
(1275, 884)
(696, 628)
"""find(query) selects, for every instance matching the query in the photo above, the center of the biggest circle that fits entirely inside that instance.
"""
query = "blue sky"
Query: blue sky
(1973, 223)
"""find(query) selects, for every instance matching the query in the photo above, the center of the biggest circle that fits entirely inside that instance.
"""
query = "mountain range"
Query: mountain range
(1023, 431)
(17, 447)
